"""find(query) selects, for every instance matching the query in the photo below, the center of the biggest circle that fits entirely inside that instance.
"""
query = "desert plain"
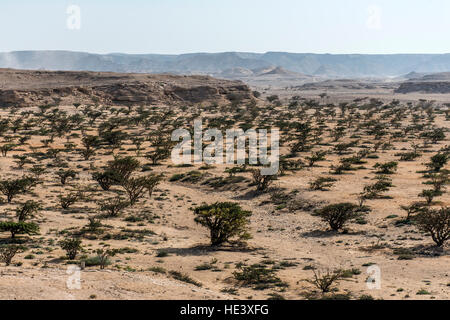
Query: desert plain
(331, 142)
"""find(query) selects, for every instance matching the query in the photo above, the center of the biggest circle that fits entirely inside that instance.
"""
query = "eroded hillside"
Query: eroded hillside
(33, 88)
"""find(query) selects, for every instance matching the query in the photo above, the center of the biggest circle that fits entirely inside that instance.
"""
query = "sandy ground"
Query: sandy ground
(278, 235)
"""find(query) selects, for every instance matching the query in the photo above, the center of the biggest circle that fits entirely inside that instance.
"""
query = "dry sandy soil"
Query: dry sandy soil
(292, 239)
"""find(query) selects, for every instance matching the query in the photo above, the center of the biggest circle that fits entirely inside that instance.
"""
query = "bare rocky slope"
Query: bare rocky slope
(424, 87)
(431, 83)
(31, 88)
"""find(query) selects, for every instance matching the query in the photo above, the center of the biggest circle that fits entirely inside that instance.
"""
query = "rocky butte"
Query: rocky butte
(19, 88)
(431, 83)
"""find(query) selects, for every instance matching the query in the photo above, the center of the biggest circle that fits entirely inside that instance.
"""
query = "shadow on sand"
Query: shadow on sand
(201, 250)
(329, 233)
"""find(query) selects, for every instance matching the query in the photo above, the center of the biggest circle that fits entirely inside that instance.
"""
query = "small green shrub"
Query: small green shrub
(72, 246)
(224, 220)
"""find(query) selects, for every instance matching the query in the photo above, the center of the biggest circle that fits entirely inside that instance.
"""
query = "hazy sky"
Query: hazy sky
(180, 26)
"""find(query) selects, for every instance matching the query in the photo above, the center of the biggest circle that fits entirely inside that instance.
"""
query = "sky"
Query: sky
(185, 26)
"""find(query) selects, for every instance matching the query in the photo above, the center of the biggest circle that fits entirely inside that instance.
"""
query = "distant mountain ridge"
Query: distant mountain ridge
(228, 63)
